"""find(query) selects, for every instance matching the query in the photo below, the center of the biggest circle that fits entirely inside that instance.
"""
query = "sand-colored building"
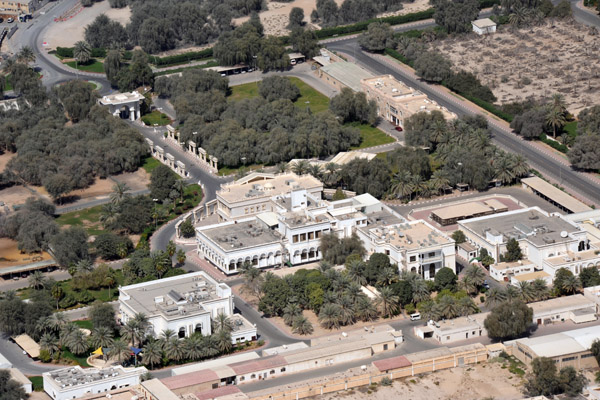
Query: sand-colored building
(21, 6)
(396, 101)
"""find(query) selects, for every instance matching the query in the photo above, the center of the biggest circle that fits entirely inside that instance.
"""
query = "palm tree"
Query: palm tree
(512, 293)
(194, 347)
(101, 336)
(339, 282)
(77, 342)
(494, 297)
(518, 17)
(503, 170)
(467, 284)
(44, 325)
(302, 326)
(346, 306)
(181, 257)
(222, 323)
(119, 350)
(366, 310)
(26, 55)
(300, 167)
(223, 341)
(439, 180)
(49, 343)
(465, 306)
(520, 166)
(171, 248)
(428, 310)
(526, 291)
(571, 284)
(162, 262)
(290, 312)
(420, 290)
(66, 332)
(57, 293)
(109, 215)
(119, 193)
(315, 170)
(82, 52)
(355, 271)
(58, 321)
(129, 332)
(253, 279)
(476, 274)
(174, 349)
(330, 316)
(388, 302)
(84, 266)
(401, 186)
(142, 323)
(331, 174)
(354, 292)
(211, 347)
(387, 276)
(37, 280)
(152, 353)
(540, 288)
(556, 119)
(167, 334)
(447, 307)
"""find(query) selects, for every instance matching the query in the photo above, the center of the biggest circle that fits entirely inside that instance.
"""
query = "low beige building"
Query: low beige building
(396, 101)
(576, 308)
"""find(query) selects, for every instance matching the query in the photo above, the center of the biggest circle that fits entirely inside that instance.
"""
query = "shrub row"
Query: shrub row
(181, 58)
(362, 26)
(67, 52)
(554, 144)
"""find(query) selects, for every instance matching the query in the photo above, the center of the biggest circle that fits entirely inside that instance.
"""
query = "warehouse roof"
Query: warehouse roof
(347, 73)
(559, 344)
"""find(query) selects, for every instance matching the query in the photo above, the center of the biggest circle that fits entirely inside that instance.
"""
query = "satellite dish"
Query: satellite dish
(564, 234)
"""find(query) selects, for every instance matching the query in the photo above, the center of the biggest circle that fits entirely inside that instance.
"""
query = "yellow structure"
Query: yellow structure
(397, 101)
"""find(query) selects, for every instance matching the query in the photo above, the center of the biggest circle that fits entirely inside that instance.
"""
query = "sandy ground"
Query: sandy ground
(275, 19)
(14, 195)
(66, 33)
(538, 62)
(487, 380)
(4, 159)
(137, 180)
(11, 256)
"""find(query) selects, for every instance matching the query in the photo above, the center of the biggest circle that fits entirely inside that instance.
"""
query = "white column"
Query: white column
(132, 113)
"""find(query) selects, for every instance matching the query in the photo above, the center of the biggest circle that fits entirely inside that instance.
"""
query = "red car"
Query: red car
(398, 128)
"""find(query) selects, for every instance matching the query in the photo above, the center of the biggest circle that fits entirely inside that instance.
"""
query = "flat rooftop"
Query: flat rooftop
(171, 295)
(561, 304)
(559, 344)
(513, 264)
(426, 105)
(119, 98)
(539, 228)
(410, 236)
(555, 194)
(390, 86)
(531, 276)
(257, 185)
(466, 210)
(233, 237)
(347, 73)
(474, 321)
(484, 23)
(75, 376)
(587, 255)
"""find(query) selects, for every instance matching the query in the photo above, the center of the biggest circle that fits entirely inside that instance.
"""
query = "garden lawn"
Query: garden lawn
(88, 218)
(85, 324)
(38, 383)
(93, 66)
(150, 163)
(370, 136)
(316, 101)
(156, 118)
(81, 360)
(571, 128)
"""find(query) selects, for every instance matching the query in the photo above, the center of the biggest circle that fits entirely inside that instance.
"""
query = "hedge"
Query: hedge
(362, 26)
(398, 56)
(488, 3)
(181, 58)
(554, 144)
(67, 52)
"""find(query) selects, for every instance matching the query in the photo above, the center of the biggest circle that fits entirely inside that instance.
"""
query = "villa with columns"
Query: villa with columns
(123, 105)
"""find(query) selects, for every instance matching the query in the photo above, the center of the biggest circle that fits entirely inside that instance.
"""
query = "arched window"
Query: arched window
(181, 333)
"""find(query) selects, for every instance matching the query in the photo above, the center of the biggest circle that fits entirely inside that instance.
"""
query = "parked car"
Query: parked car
(10, 20)
(398, 128)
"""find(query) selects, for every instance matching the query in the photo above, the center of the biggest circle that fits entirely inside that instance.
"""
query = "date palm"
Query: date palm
(211, 348)
(167, 334)
(193, 347)
(571, 284)
(401, 185)
(37, 280)
(503, 170)
(476, 274)
(66, 332)
(109, 215)
(119, 350)
(387, 276)
(388, 302)
(315, 170)
(366, 310)
(26, 55)
(555, 118)
(77, 342)
(222, 340)
(180, 256)
(302, 326)
(82, 52)
(347, 309)
(526, 291)
(468, 284)
(290, 312)
(447, 307)
(101, 336)
(58, 321)
(520, 166)
(540, 288)
(512, 293)
(50, 343)
(222, 323)
(300, 167)
(465, 306)
(129, 332)
(174, 349)
(152, 353)
(119, 193)
(84, 266)
(355, 271)
(330, 316)
(494, 297)
(439, 180)
(420, 291)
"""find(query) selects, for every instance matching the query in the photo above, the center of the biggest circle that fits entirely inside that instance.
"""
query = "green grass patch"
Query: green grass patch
(93, 66)
(371, 136)
(85, 324)
(88, 218)
(150, 163)
(81, 360)
(309, 97)
(7, 84)
(571, 128)
(37, 383)
(93, 85)
(317, 101)
(156, 118)
(176, 70)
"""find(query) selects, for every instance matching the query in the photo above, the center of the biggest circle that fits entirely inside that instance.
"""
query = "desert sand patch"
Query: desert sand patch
(11, 256)
(486, 380)
(67, 33)
(275, 19)
(557, 57)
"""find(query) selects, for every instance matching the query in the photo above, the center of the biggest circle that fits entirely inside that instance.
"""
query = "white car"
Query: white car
(10, 20)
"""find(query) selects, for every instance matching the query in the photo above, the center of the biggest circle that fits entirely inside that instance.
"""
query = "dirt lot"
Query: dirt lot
(558, 57)
(487, 380)
(4, 159)
(14, 195)
(11, 256)
(275, 19)
(66, 33)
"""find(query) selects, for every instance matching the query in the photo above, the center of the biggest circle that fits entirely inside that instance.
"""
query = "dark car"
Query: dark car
(398, 128)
